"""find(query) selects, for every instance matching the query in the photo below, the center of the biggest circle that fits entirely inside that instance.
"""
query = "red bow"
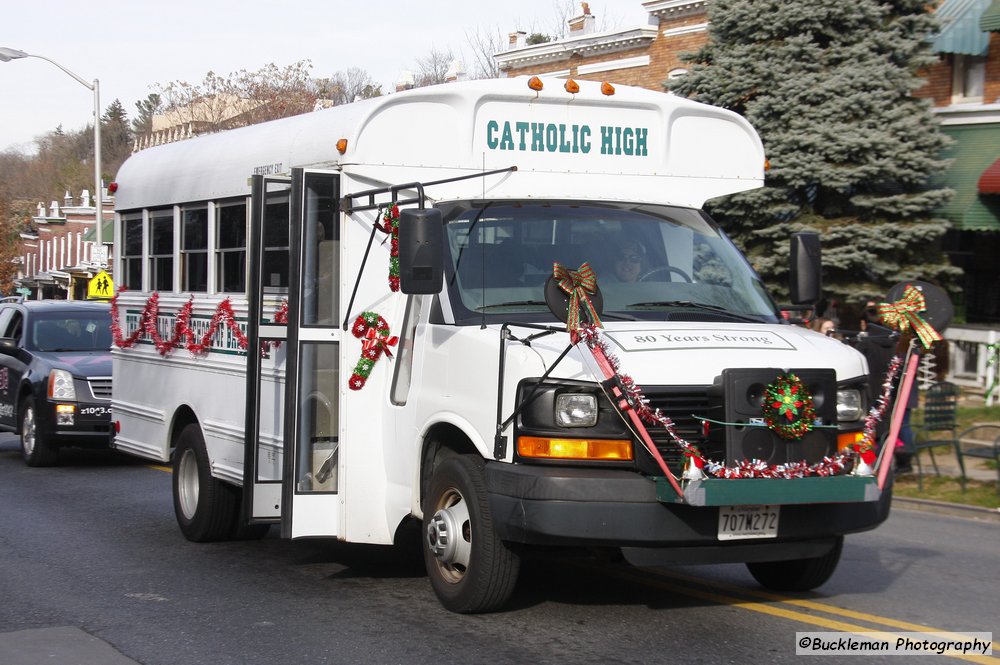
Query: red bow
(379, 343)
(579, 285)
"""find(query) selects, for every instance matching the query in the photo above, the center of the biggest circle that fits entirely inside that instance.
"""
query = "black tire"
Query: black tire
(798, 574)
(35, 446)
(206, 508)
(244, 531)
(475, 572)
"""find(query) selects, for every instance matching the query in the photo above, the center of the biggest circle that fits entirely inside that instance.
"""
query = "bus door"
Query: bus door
(270, 270)
(302, 347)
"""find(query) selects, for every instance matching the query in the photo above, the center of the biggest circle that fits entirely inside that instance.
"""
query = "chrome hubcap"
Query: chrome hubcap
(187, 483)
(449, 536)
(28, 431)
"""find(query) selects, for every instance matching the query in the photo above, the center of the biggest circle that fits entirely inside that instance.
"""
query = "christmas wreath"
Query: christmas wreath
(788, 407)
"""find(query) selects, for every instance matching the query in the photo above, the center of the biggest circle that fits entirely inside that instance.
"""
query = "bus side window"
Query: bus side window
(132, 252)
(161, 250)
(231, 248)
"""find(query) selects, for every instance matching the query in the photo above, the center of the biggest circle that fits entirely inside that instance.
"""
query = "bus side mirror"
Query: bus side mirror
(806, 267)
(421, 258)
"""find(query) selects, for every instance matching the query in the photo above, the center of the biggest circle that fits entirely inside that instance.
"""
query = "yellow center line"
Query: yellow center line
(159, 467)
(772, 610)
(814, 605)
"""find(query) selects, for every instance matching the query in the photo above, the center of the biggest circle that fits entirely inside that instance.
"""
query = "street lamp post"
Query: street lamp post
(8, 54)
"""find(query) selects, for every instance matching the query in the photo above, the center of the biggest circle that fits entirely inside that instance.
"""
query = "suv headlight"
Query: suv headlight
(849, 405)
(61, 385)
(576, 410)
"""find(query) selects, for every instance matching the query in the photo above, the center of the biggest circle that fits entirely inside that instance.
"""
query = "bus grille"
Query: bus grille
(681, 404)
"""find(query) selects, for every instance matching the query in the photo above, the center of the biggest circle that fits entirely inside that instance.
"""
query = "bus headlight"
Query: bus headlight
(61, 385)
(576, 410)
(849, 405)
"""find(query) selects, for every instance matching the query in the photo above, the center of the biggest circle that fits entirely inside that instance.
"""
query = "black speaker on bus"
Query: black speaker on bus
(737, 399)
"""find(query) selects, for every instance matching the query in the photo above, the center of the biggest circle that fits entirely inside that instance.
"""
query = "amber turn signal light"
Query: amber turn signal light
(847, 439)
(539, 447)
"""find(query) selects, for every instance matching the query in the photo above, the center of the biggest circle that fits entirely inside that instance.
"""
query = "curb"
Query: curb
(944, 508)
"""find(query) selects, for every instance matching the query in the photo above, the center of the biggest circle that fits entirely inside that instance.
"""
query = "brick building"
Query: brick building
(645, 56)
(57, 258)
(964, 88)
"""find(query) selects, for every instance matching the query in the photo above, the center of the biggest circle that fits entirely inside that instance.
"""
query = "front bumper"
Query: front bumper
(558, 506)
(91, 424)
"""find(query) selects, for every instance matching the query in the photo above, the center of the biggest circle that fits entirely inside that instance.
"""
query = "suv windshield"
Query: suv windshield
(71, 331)
(652, 262)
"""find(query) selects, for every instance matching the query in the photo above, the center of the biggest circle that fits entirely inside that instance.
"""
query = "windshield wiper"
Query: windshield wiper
(697, 305)
(513, 303)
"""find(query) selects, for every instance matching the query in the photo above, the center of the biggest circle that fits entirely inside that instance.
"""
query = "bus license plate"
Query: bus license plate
(737, 522)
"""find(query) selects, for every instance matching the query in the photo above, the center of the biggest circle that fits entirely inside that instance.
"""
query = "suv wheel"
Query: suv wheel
(35, 446)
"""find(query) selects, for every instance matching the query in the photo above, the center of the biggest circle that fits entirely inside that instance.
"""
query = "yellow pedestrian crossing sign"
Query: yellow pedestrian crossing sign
(100, 287)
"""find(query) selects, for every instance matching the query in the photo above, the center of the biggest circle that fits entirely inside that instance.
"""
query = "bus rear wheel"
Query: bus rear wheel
(798, 574)
(206, 508)
(471, 570)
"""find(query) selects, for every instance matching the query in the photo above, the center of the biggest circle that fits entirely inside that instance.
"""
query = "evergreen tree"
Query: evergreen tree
(828, 86)
(147, 108)
(116, 139)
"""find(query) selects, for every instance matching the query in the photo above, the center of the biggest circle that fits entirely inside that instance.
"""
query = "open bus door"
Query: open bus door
(299, 485)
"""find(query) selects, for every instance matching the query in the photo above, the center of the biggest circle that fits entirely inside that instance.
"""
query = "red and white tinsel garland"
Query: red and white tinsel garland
(183, 336)
(390, 226)
(829, 466)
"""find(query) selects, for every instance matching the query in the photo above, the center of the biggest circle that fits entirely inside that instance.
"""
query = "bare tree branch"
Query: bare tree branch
(485, 43)
(433, 67)
(239, 99)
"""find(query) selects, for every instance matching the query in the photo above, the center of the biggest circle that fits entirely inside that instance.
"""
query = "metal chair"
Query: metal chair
(981, 441)
(939, 425)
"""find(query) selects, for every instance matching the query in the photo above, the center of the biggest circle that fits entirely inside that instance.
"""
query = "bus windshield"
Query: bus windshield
(652, 262)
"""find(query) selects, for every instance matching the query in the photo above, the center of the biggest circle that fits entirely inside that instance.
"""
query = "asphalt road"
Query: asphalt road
(93, 570)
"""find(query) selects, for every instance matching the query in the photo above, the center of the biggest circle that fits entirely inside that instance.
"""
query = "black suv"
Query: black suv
(55, 375)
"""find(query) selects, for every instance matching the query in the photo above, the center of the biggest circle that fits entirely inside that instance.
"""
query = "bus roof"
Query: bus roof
(635, 145)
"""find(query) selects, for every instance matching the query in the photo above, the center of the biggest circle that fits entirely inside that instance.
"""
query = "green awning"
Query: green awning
(107, 233)
(990, 20)
(975, 149)
(960, 31)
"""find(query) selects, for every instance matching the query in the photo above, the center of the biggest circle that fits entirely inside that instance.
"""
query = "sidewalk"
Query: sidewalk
(62, 645)
(947, 464)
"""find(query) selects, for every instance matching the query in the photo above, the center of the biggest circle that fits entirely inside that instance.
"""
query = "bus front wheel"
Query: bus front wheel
(206, 508)
(471, 570)
(798, 574)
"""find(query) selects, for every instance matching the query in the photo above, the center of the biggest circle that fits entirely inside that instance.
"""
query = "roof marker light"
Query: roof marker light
(112, 187)
(342, 146)
(572, 87)
(535, 84)
(607, 89)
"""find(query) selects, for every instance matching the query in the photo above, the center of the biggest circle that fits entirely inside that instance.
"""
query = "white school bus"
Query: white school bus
(559, 349)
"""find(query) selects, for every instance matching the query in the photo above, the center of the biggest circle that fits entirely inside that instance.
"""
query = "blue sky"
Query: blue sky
(132, 45)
